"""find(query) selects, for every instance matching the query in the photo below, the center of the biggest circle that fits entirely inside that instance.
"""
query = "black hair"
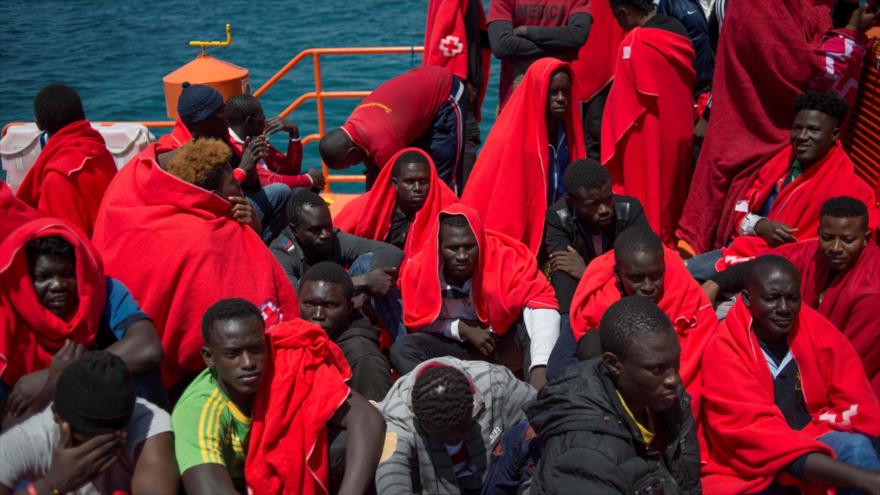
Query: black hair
(406, 159)
(56, 106)
(454, 220)
(586, 173)
(627, 320)
(51, 246)
(301, 200)
(637, 240)
(826, 102)
(240, 107)
(442, 397)
(332, 145)
(328, 271)
(639, 6)
(228, 309)
(845, 207)
(760, 266)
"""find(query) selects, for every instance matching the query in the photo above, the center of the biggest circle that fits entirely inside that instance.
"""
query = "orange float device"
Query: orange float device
(228, 79)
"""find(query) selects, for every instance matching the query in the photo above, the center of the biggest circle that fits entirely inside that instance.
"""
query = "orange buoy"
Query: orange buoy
(229, 79)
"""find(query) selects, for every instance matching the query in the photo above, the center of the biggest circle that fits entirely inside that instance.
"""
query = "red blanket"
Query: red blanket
(799, 203)
(508, 185)
(369, 215)
(178, 136)
(597, 57)
(14, 211)
(506, 279)
(647, 131)
(683, 301)
(850, 301)
(29, 333)
(303, 385)
(750, 440)
(275, 167)
(767, 54)
(177, 249)
(70, 176)
(446, 41)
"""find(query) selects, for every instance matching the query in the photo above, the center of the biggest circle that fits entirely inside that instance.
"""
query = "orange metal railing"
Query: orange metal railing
(319, 95)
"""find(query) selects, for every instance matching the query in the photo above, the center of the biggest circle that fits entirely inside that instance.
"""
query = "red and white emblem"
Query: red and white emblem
(451, 46)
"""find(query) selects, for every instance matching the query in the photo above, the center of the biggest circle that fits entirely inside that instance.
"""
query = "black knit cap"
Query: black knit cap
(197, 102)
(95, 394)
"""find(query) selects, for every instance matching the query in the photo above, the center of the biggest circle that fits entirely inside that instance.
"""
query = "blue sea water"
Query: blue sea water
(115, 53)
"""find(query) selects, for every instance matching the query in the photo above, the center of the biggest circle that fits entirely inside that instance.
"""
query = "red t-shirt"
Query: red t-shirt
(545, 13)
(398, 112)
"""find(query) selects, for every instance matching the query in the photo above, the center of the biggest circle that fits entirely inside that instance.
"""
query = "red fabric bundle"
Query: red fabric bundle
(683, 301)
(29, 333)
(749, 437)
(508, 185)
(369, 215)
(850, 301)
(446, 43)
(799, 203)
(647, 130)
(302, 387)
(178, 136)
(506, 278)
(767, 54)
(177, 249)
(70, 176)
(597, 57)
(275, 167)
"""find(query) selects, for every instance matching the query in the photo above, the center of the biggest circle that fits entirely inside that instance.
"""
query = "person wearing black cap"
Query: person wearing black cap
(95, 438)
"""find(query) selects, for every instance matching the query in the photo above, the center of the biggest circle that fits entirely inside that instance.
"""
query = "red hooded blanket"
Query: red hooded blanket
(446, 41)
(595, 64)
(29, 333)
(178, 136)
(508, 185)
(506, 278)
(799, 203)
(369, 215)
(850, 301)
(683, 301)
(303, 385)
(647, 128)
(750, 439)
(70, 176)
(177, 249)
(767, 54)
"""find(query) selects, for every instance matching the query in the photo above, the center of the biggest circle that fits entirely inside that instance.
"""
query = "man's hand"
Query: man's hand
(276, 124)
(711, 289)
(378, 282)
(568, 261)
(72, 467)
(26, 389)
(538, 377)
(862, 18)
(521, 31)
(69, 352)
(244, 213)
(478, 335)
(254, 150)
(317, 178)
(775, 233)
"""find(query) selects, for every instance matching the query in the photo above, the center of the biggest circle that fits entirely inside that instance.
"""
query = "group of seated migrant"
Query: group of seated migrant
(549, 315)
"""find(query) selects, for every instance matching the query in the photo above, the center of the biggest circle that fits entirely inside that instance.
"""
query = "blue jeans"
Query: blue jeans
(702, 266)
(513, 460)
(444, 139)
(270, 202)
(388, 308)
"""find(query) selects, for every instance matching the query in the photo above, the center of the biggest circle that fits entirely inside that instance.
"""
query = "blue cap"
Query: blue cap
(197, 103)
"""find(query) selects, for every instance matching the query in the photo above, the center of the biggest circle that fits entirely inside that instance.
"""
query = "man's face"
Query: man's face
(626, 20)
(812, 135)
(459, 253)
(647, 373)
(325, 304)
(594, 207)
(412, 185)
(774, 301)
(314, 230)
(228, 185)
(641, 274)
(559, 95)
(215, 126)
(255, 125)
(842, 240)
(55, 284)
(237, 352)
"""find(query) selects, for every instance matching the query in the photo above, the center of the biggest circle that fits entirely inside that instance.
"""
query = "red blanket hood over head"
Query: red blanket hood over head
(303, 385)
(506, 278)
(508, 185)
(176, 248)
(749, 437)
(29, 333)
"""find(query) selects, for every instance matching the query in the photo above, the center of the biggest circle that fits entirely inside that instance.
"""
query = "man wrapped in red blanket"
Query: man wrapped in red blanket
(784, 398)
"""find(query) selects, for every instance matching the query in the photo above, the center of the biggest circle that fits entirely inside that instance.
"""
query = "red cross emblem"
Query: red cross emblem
(451, 46)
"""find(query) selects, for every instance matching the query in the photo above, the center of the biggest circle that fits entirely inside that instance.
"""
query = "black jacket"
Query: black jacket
(562, 228)
(591, 445)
